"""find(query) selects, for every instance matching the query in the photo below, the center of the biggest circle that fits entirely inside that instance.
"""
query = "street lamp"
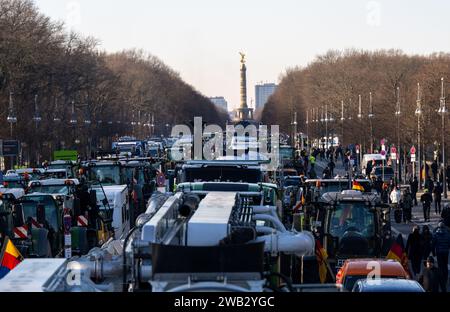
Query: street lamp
(371, 116)
(398, 113)
(419, 114)
(167, 128)
(360, 116)
(73, 118)
(56, 117)
(443, 112)
(326, 126)
(294, 129)
(307, 129)
(37, 118)
(342, 120)
(12, 118)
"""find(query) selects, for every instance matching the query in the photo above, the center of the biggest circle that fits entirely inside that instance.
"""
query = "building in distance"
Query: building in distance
(220, 102)
(262, 94)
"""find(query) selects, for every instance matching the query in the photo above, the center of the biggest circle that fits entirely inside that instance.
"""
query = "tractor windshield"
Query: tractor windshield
(107, 175)
(51, 210)
(353, 217)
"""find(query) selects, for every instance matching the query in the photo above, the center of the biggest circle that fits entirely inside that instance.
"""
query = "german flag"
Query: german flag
(9, 258)
(357, 186)
(322, 256)
(398, 253)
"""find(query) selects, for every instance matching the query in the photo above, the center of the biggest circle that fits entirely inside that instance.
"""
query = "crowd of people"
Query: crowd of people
(421, 248)
(305, 161)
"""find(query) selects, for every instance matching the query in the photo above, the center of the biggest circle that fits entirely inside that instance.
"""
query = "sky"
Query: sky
(201, 39)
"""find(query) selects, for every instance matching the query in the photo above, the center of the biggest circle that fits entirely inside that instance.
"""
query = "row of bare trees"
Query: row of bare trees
(343, 76)
(81, 95)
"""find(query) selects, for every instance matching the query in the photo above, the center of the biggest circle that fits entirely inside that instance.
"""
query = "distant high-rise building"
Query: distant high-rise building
(220, 102)
(262, 93)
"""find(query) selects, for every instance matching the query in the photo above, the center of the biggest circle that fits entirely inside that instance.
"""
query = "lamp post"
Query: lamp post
(333, 129)
(371, 116)
(360, 132)
(12, 118)
(294, 130)
(326, 127)
(307, 129)
(419, 114)
(167, 129)
(322, 120)
(56, 117)
(342, 120)
(73, 120)
(37, 119)
(443, 112)
(398, 113)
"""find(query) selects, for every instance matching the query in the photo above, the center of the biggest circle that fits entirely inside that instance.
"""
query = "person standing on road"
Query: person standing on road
(441, 248)
(426, 199)
(414, 249)
(430, 277)
(448, 176)
(426, 242)
(434, 170)
(414, 189)
(445, 215)
(429, 184)
(395, 197)
(385, 194)
(407, 204)
(332, 165)
(437, 198)
(326, 174)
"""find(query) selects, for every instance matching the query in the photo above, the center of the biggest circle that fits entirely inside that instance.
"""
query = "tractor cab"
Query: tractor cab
(352, 224)
(69, 166)
(14, 181)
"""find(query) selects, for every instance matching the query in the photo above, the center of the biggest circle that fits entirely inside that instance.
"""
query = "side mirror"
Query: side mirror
(18, 218)
(40, 213)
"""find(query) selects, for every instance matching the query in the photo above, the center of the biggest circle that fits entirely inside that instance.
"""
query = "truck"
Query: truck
(224, 242)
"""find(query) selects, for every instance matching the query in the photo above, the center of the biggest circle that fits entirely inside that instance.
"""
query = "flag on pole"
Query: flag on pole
(398, 253)
(357, 186)
(9, 258)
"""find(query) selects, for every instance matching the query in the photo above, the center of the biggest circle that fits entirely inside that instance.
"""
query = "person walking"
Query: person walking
(448, 176)
(426, 199)
(414, 250)
(430, 277)
(332, 165)
(385, 193)
(395, 197)
(326, 174)
(445, 215)
(429, 184)
(414, 184)
(437, 198)
(426, 242)
(440, 248)
(434, 170)
(407, 204)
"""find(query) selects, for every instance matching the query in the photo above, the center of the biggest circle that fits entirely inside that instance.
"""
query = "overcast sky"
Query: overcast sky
(201, 39)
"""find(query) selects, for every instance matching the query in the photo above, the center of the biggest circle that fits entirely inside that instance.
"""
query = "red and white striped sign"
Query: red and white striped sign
(35, 224)
(21, 232)
(82, 221)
